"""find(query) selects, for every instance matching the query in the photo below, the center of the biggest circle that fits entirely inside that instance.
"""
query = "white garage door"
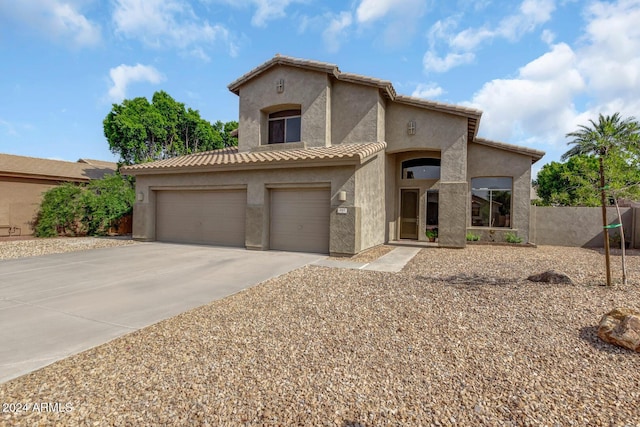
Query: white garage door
(300, 220)
(209, 217)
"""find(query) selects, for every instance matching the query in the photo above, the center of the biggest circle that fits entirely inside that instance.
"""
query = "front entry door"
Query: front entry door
(409, 214)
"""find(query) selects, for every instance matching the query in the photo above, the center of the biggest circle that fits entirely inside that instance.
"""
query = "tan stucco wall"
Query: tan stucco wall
(485, 161)
(370, 197)
(311, 90)
(452, 220)
(434, 130)
(355, 112)
(576, 226)
(19, 203)
(344, 229)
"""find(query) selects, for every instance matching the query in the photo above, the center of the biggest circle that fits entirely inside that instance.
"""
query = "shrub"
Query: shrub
(71, 209)
(511, 237)
(106, 201)
(471, 237)
(60, 212)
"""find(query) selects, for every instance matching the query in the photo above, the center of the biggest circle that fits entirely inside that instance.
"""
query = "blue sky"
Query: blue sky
(536, 68)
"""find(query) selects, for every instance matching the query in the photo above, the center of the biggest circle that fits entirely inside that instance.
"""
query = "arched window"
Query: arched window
(284, 126)
(424, 168)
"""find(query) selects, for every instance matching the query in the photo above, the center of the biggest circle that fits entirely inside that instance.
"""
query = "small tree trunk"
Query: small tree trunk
(605, 230)
(622, 244)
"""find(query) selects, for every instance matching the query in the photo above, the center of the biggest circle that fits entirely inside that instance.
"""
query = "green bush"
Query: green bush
(60, 211)
(107, 200)
(472, 237)
(511, 237)
(72, 210)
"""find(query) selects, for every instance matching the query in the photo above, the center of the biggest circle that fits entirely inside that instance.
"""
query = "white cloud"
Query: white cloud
(539, 101)
(335, 33)
(567, 86)
(123, 75)
(55, 18)
(10, 128)
(428, 91)
(266, 10)
(610, 59)
(161, 23)
(371, 10)
(401, 18)
(432, 62)
(531, 14)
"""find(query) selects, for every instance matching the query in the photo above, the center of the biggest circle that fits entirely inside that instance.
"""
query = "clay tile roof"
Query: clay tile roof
(230, 158)
(21, 166)
(534, 154)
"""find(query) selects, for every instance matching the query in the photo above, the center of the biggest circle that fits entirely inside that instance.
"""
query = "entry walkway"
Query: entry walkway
(393, 261)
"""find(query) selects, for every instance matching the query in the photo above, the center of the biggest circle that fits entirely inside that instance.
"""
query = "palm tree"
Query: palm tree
(610, 135)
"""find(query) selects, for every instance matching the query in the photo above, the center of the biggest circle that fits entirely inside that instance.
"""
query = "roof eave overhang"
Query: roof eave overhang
(351, 161)
(56, 178)
(529, 152)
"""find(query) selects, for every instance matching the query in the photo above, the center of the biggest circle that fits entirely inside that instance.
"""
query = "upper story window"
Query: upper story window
(491, 201)
(284, 126)
(425, 168)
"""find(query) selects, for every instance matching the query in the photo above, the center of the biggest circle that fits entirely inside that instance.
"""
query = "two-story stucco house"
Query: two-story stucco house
(336, 163)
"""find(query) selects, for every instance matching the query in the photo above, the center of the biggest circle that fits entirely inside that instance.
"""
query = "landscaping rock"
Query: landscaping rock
(621, 326)
(550, 276)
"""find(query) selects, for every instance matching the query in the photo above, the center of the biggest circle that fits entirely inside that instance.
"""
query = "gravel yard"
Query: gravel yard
(10, 248)
(338, 347)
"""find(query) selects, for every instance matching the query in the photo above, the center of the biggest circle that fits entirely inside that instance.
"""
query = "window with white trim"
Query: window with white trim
(284, 126)
(491, 201)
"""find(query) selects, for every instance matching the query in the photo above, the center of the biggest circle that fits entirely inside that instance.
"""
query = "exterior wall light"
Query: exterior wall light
(140, 196)
(280, 86)
(342, 196)
(411, 127)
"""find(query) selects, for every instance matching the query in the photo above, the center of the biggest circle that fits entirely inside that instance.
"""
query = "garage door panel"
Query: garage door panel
(300, 220)
(209, 217)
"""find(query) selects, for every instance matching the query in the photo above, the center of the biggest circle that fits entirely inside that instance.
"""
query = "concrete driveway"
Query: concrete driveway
(54, 306)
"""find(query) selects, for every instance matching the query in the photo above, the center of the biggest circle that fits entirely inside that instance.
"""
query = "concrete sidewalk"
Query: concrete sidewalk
(393, 261)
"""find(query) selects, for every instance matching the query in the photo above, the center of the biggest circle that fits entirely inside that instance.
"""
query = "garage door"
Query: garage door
(300, 220)
(210, 217)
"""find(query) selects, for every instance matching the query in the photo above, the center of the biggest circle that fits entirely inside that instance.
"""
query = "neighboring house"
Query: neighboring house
(23, 180)
(335, 162)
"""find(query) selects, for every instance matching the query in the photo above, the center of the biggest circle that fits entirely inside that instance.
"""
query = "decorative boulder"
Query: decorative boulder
(550, 276)
(621, 326)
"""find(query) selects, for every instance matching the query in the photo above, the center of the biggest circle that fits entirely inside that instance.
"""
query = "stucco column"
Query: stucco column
(143, 222)
(345, 229)
(452, 218)
(257, 217)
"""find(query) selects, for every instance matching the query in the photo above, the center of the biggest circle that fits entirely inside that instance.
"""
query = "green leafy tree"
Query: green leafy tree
(576, 182)
(608, 138)
(141, 131)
